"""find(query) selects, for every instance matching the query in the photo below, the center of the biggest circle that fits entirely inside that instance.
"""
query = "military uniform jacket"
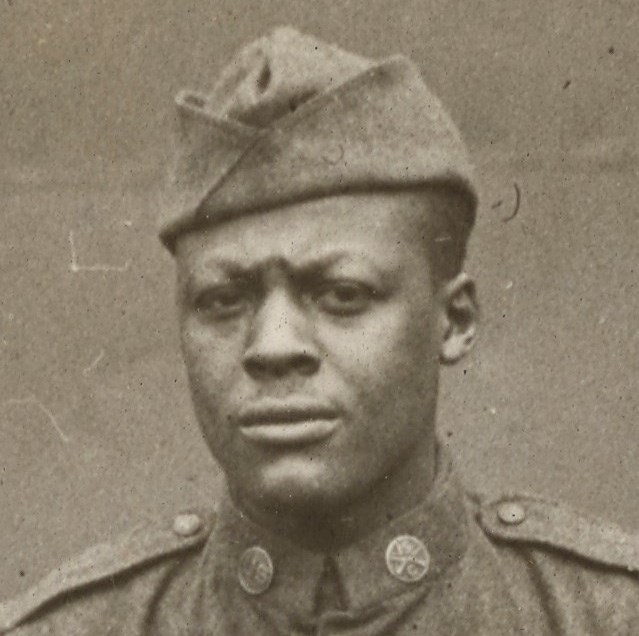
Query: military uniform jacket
(455, 565)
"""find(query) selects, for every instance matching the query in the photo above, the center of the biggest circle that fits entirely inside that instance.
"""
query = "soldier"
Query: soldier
(319, 217)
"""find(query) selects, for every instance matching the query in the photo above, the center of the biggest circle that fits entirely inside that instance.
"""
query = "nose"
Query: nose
(280, 342)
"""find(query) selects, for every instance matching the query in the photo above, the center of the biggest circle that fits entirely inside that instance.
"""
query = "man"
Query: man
(319, 217)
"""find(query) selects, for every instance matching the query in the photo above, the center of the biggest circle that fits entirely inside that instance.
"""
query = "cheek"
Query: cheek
(388, 373)
(392, 353)
(211, 363)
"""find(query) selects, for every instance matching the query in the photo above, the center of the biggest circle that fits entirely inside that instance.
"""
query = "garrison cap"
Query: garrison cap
(293, 118)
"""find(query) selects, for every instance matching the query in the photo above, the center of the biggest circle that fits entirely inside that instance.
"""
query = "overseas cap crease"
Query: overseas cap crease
(292, 118)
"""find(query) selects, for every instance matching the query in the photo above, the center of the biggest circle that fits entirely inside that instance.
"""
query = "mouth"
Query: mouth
(288, 424)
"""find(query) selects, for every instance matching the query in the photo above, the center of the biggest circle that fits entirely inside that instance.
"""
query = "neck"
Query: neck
(326, 528)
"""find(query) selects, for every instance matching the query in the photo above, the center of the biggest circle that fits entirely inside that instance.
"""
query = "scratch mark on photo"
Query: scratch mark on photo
(33, 400)
(93, 364)
(75, 267)
(517, 204)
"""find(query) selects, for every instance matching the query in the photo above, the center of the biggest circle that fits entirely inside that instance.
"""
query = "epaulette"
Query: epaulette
(533, 520)
(148, 542)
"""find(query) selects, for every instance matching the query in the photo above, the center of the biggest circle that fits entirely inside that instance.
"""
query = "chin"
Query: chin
(295, 486)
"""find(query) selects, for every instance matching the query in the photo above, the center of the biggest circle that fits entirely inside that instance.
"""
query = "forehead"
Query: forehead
(378, 226)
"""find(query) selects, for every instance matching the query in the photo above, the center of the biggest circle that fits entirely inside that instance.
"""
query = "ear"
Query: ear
(459, 317)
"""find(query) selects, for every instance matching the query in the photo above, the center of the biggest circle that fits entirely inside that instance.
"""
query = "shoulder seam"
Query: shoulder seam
(550, 524)
(142, 546)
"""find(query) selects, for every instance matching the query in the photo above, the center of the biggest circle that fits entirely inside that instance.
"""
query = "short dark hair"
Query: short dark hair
(446, 228)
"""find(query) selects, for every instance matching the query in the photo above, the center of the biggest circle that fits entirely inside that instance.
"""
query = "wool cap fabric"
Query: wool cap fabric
(293, 118)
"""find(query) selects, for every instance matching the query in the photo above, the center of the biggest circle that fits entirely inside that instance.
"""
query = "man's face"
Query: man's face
(311, 336)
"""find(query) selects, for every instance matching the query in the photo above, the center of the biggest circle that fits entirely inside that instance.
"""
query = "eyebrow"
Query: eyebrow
(233, 267)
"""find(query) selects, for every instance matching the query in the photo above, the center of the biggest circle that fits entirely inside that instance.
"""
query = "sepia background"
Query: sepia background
(95, 425)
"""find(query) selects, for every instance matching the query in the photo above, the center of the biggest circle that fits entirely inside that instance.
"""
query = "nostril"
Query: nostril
(307, 365)
(254, 366)
(264, 78)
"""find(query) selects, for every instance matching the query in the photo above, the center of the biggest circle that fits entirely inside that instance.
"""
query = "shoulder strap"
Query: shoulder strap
(147, 542)
(526, 519)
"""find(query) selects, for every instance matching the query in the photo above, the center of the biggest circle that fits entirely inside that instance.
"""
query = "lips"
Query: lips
(288, 423)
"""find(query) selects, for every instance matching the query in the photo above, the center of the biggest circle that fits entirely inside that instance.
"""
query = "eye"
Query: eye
(344, 298)
(223, 301)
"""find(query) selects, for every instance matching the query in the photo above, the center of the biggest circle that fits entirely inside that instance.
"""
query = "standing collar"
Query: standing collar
(363, 577)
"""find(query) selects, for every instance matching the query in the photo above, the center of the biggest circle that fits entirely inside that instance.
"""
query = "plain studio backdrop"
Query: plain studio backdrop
(95, 423)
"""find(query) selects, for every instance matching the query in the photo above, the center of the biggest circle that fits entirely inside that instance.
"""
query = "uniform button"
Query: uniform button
(255, 571)
(511, 513)
(187, 525)
(407, 559)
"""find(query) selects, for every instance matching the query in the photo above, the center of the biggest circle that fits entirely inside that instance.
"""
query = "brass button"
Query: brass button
(407, 559)
(186, 525)
(255, 571)
(511, 513)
